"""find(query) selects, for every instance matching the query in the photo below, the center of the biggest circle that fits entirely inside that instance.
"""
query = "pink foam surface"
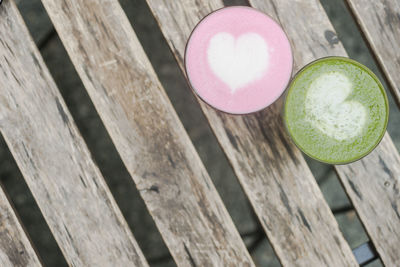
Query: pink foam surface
(255, 95)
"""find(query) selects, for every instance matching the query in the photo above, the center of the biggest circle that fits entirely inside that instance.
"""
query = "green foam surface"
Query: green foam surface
(320, 142)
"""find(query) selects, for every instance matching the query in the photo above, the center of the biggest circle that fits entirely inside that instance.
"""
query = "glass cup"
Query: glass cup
(336, 110)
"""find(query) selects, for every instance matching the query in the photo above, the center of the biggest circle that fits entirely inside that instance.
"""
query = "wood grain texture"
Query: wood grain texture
(272, 171)
(377, 204)
(147, 133)
(15, 247)
(373, 185)
(52, 156)
(380, 23)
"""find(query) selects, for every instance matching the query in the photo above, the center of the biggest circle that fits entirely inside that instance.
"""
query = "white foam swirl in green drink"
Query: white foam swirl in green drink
(336, 110)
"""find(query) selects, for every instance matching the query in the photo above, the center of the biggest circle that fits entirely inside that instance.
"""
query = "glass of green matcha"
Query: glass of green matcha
(336, 110)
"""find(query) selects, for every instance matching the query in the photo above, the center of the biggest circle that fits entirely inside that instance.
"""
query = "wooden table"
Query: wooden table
(74, 198)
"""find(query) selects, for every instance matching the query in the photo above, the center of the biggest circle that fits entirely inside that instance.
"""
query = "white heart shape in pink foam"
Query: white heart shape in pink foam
(237, 62)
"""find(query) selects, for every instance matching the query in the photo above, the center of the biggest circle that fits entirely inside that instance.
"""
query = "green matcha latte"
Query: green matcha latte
(336, 110)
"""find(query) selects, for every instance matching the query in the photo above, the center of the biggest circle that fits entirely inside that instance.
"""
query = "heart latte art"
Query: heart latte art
(238, 61)
(336, 110)
(329, 111)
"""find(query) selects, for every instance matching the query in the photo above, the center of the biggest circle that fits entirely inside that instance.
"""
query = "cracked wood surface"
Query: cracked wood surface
(15, 246)
(380, 23)
(147, 133)
(373, 182)
(54, 160)
(273, 173)
(373, 186)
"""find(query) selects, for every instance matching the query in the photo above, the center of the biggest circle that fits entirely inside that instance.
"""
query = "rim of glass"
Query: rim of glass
(201, 97)
(358, 64)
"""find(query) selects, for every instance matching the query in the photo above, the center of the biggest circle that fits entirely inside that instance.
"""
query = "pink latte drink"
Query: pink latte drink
(238, 60)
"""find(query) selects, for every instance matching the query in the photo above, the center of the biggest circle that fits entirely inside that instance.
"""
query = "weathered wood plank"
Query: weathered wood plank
(147, 133)
(53, 157)
(372, 183)
(15, 247)
(380, 23)
(271, 170)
